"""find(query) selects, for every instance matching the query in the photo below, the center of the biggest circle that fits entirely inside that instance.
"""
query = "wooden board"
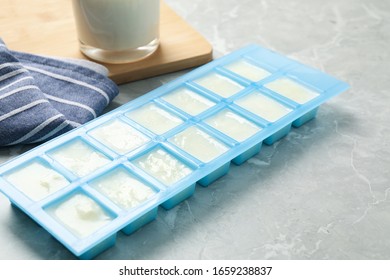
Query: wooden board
(47, 27)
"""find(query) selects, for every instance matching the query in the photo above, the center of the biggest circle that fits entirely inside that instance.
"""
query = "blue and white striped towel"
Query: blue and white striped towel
(43, 97)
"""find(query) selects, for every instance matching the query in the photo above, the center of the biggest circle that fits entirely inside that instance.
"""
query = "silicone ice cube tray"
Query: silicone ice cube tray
(113, 173)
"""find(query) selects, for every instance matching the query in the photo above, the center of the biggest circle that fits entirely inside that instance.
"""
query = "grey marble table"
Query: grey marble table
(322, 192)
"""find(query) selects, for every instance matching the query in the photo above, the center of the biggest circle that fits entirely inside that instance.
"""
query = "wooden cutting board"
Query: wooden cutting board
(47, 27)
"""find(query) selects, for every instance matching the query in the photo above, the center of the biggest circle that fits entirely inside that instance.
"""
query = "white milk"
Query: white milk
(263, 106)
(79, 158)
(248, 70)
(190, 102)
(122, 188)
(80, 214)
(163, 166)
(36, 180)
(219, 84)
(119, 136)
(117, 24)
(292, 90)
(154, 118)
(199, 144)
(233, 125)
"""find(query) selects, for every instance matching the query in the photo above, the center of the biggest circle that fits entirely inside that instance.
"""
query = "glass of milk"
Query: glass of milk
(117, 31)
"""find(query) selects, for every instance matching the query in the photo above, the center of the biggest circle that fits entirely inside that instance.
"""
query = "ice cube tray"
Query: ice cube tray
(113, 173)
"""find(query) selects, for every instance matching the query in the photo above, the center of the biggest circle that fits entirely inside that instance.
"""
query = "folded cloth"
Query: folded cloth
(43, 97)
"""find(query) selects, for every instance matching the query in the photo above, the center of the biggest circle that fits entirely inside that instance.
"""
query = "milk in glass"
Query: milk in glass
(117, 31)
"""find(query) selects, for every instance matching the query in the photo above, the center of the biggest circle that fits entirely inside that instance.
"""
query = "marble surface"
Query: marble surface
(322, 192)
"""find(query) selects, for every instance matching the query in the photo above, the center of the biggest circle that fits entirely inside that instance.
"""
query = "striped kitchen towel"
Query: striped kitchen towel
(43, 97)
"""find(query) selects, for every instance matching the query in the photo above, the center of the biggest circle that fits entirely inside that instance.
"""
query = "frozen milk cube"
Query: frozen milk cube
(219, 84)
(233, 125)
(248, 70)
(154, 118)
(190, 102)
(163, 166)
(119, 136)
(79, 158)
(263, 106)
(36, 180)
(292, 90)
(199, 144)
(122, 188)
(80, 214)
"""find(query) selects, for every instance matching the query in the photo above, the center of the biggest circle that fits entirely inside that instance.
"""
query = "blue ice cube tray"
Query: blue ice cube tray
(216, 114)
